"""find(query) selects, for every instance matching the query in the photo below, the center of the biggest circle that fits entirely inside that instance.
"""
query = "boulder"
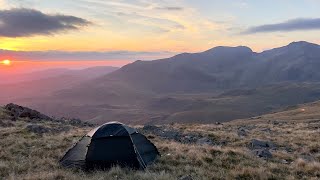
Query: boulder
(189, 138)
(172, 135)
(263, 153)
(262, 148)
(177, 135)
(258, 144)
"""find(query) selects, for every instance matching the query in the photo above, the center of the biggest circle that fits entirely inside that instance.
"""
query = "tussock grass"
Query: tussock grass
(25, 155)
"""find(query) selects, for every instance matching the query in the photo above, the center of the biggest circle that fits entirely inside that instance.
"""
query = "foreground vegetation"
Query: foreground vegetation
(226, 154)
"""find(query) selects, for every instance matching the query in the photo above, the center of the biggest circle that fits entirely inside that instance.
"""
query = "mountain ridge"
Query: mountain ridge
(233, 60)
(220, 84)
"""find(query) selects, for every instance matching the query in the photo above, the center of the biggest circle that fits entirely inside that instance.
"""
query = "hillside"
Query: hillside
(31, 148)
(221, 68)
(146, 108)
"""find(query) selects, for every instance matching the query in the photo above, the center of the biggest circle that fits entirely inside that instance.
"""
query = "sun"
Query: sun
(6, 62)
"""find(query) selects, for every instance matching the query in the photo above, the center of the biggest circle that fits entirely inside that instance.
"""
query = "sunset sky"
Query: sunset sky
(80, 33)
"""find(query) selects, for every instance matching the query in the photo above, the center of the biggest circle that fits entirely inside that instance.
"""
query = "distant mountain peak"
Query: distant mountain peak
(227, 50)
(302, 44)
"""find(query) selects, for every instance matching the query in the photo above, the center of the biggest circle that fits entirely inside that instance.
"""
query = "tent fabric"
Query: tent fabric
(76, 156)
(109, 145)
(145, 148)
(112, 129)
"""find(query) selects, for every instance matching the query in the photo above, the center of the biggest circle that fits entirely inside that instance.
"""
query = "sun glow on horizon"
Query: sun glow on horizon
(6, 62)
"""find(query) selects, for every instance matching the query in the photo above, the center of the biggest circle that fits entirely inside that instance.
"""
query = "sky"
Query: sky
(114, 32)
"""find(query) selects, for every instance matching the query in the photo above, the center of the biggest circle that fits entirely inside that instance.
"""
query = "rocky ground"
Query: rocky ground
(282, 145)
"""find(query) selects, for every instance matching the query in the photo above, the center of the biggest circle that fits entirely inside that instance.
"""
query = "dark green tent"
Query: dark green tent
(109, 145)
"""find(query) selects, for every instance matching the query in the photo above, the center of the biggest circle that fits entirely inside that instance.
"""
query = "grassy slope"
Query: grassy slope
(182, 108)
(26, 155)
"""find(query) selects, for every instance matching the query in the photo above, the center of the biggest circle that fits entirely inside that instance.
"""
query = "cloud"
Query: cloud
(21, 22)
(2, 3)
(160, 24)
(170, 8)
(82, 56)
(158, 16)
(291, 25)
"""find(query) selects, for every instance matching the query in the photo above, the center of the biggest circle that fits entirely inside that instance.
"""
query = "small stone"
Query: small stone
(186, 177)
(266, 130)
(242, 132)
(258, 144)
(284, 161)
(275, 123)
(75, 122)
(205, 141)
(289, 150)
(307, 158)
(263, 153)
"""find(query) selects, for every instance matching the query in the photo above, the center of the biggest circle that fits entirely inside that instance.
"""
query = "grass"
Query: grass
(25, 155)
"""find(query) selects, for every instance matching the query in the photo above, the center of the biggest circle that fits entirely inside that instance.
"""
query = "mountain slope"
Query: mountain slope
(186, 87)
(222, 68)
(219, 69)
(297, 62)
(197, 72)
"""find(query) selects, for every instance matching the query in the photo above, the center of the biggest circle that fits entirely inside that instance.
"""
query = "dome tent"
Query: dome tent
(109, 145)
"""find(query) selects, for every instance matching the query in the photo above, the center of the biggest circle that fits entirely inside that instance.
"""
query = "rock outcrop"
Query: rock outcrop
(17, 111)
